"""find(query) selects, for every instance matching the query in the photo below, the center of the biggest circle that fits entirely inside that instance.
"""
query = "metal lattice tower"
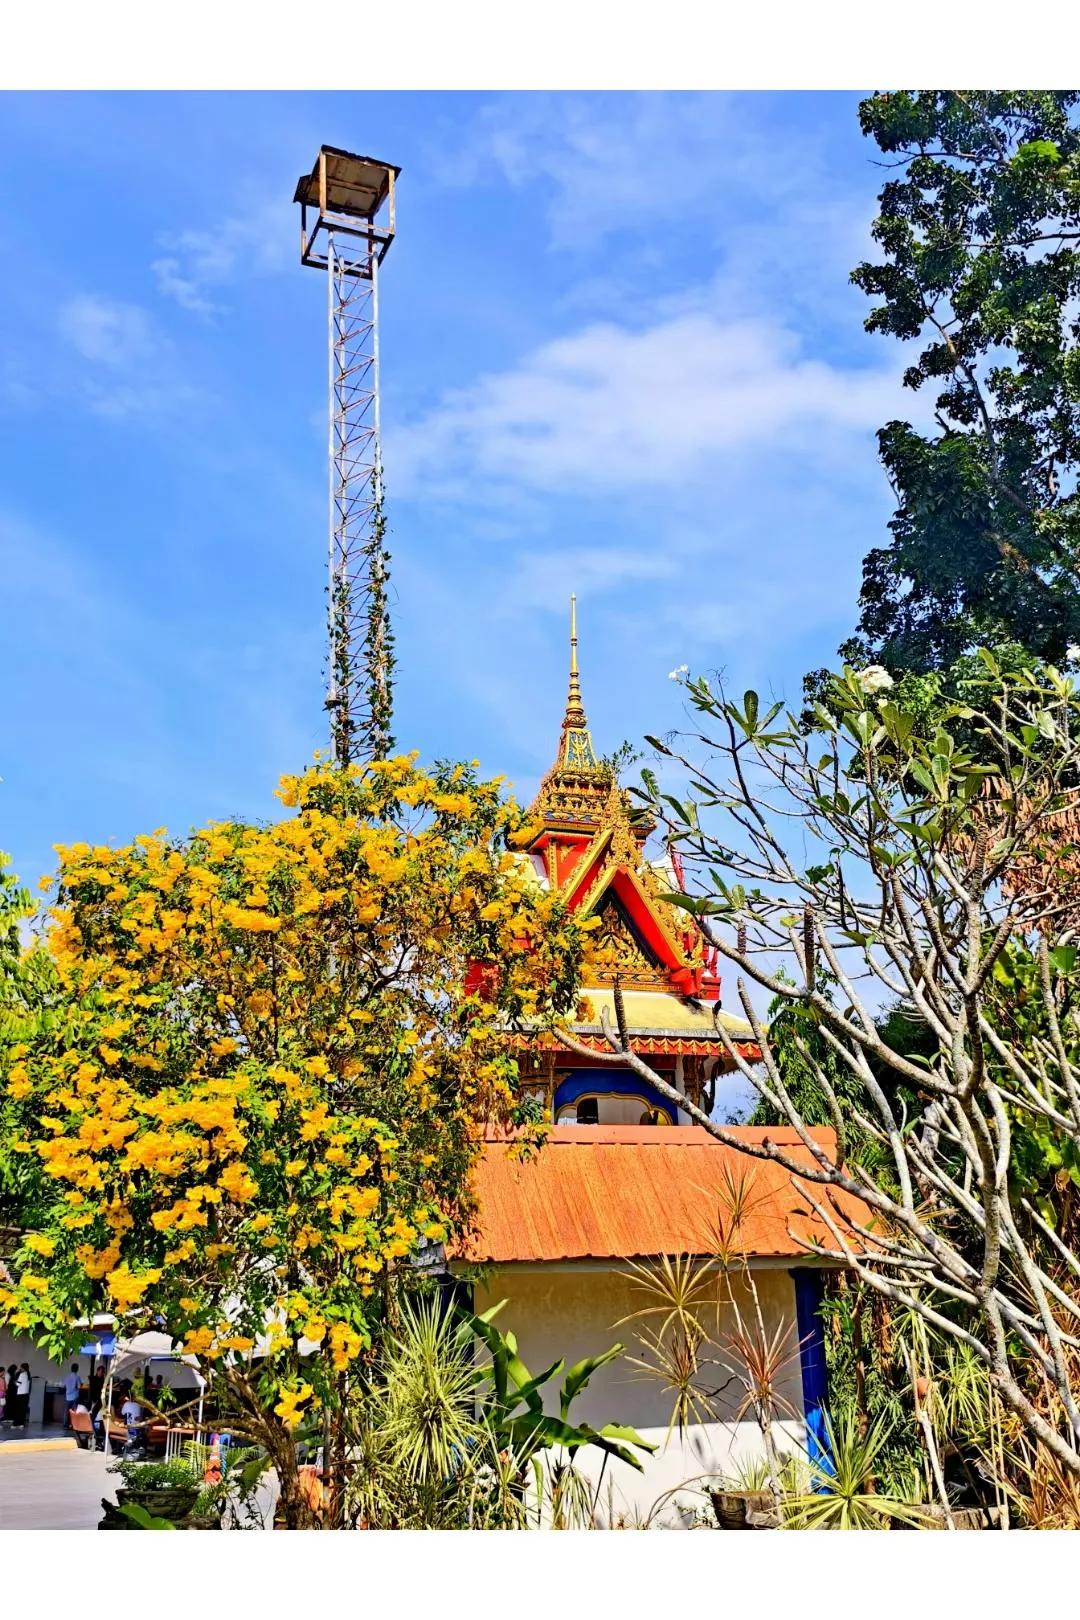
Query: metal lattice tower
(348, 241)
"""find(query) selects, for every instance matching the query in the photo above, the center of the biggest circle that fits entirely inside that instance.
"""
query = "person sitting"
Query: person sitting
(132, 1414)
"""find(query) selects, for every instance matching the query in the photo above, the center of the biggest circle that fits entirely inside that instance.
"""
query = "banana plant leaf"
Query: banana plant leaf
(579, 1376)
(506, 1364)
(534, 1430)
(528, 1394)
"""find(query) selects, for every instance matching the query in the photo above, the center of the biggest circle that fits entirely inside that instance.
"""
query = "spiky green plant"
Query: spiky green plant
(752, 1474)
(445, 1439)
(427, 1405)
(673, 1361)
(736, 1201)
(840, 1495)
(678, 1288)
(962, 1398)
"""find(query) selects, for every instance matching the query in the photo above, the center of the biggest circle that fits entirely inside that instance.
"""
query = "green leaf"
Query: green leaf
(898, 725)
(623, 1431)
(493, 1339)
(527, 1393)
(580, 1373)
(252, 1471)
(1036, 154)
(145, 1521)
(614, 1448)
(687, 902)
(922, 776)
(534, 1431)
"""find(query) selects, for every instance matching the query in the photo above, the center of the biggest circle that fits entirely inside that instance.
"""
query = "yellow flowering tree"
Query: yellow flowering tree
(264, 1075)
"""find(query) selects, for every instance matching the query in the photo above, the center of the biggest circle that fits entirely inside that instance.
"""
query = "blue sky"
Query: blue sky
(620, 355)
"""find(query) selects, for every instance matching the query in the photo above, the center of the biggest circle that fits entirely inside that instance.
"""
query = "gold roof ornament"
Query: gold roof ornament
(575, 743)
(586, 842)
(573, 793)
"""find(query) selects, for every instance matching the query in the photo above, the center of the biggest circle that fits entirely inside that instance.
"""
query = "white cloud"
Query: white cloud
(629, 184)
(130, 369)
(608, 163)
(258, 241)
(172, 283)
(635, 162)
(538, 579)
(611, 408)
(108, 331)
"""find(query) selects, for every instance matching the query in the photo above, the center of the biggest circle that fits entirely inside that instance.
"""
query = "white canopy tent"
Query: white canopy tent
(136, 1352)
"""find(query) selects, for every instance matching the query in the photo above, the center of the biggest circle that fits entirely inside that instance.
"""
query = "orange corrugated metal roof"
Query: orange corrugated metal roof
(620, 1191)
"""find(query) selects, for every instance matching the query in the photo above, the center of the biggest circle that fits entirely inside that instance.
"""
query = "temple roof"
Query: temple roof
(587, 842)
(658, 1013)
(621, 1192)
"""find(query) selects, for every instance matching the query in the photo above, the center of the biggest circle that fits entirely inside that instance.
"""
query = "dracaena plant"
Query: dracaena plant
(842, 1494)
(453, 1437)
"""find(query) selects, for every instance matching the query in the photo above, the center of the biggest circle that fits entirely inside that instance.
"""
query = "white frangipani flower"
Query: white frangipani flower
(678, 672)
(1072, 653)
(875, 678)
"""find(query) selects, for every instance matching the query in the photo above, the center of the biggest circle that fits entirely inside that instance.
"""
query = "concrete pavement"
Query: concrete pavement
(52, 1489)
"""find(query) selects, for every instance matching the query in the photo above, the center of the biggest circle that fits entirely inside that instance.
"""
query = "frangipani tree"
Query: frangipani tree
(855, 864)
(265, 1075)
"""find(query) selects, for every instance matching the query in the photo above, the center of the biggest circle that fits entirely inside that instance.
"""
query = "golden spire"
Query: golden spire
(575, 744)
(575, 712)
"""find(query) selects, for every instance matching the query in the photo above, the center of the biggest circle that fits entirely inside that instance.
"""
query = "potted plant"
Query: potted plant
(167, 1490)
(745, 1501)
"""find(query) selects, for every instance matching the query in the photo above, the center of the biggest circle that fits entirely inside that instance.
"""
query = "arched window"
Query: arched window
(611, 1108)
(584, 1097)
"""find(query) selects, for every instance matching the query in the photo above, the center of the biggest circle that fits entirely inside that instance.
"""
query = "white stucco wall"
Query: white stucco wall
(15, 1349)
(560, 1311)
(43, 1372)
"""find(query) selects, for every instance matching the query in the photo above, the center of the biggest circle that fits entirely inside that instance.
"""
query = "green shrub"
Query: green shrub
(157, 1476)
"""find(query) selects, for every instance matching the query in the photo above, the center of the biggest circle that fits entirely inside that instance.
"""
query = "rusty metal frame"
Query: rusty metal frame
(330, 222)
(350, 247)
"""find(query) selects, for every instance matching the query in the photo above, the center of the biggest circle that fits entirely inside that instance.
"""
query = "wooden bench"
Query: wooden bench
(117, 1432)
(82, 1427)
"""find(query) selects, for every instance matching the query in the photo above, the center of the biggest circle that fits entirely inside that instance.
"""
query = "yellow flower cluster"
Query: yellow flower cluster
(288, 1408)
(274, 1062)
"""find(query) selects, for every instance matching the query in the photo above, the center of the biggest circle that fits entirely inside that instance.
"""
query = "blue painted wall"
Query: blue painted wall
(809, 1293)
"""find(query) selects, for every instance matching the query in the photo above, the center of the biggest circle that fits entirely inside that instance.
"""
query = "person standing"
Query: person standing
(22, 1396)
(72, 1385)
(3, 1393)
(10, 1406)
